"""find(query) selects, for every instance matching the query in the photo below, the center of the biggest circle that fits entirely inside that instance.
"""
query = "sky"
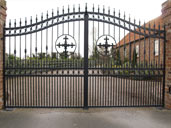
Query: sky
(144, 10)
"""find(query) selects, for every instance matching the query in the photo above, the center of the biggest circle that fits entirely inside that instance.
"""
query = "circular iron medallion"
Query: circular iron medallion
(105, 44)
(65, 44)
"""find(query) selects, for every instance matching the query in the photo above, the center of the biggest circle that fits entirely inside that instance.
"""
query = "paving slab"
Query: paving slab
(91, 118)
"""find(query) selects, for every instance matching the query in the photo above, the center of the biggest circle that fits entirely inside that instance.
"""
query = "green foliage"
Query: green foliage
(95, 54)
(63, 56)
(118, 58)
(75, 56)
(54, 55)
(11, 57)
(126, 60)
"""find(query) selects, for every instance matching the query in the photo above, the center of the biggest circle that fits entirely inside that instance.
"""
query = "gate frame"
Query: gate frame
(86, 64)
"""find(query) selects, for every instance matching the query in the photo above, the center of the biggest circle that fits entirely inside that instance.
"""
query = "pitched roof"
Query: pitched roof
(130, 37)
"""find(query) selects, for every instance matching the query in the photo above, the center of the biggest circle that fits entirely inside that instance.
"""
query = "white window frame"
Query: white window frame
(137, 50)
(125, 52)
(156, 47)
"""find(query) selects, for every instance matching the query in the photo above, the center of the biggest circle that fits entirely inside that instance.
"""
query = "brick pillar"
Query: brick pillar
(166, 16)
(2, 21)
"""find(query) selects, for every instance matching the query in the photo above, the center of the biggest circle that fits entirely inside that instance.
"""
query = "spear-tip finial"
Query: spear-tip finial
(79, 7)
(36, 19)
(25, 20)
(31, 19)
(52, 12)
(42, 16)
(47, 15)
(74, 8)
(86, 7)
(108, 10)
(20, 21)
(63, 9)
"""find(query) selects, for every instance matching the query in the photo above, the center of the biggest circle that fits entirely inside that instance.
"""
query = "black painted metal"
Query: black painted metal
(65, 45)
(164, 60)
(4, 78)
(36, 76)
(86, 59)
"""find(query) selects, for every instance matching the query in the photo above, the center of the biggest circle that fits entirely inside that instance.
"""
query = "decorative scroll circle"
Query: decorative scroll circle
(66, 45)
(105, 44)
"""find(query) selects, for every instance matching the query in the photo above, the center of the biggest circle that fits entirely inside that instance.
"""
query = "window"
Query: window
(125, 52)
(156, 46)
(137, 50)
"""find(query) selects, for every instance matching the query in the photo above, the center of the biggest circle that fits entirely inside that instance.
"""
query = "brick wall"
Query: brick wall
(166, 15)
(2, 21)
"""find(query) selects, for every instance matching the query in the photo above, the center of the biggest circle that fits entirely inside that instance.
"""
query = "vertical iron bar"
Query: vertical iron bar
(124, 86)
(36, 65)
(154, 26)
(164, 69)
(25, 60)
(98, 21)
(9, 58)
(63, 21)
(68, 19)
(109, 20)
(73, 22)
(51, 65)
(145, 64)
(139, 49)
(41, 61)
(149, 43)
(57, 60)
(20, 63)
(31, 84)
(159, 46)
(57, 29)
(45, 78)
(86, 59)
(15, 63)
(79, 34)
(129, 55)
(103, 20)
(144, 45)
(4, 78)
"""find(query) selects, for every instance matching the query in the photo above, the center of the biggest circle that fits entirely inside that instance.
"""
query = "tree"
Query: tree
(54, 56)
(41, 55)
(64, 55)
(118, 58)
(95, 54)
(75, 56)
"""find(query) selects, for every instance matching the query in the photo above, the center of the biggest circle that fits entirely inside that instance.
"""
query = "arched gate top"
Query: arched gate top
(97, 15)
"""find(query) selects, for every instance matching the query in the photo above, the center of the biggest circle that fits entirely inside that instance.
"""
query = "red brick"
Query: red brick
(2, 20)
(166, 14)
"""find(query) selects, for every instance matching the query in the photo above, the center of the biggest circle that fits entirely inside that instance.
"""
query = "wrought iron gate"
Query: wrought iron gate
(82, 58)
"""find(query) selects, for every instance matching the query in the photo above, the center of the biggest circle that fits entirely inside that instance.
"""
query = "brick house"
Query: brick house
(148, 49)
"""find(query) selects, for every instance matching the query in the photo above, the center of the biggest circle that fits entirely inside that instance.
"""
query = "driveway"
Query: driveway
(91, 118)
(69, 90)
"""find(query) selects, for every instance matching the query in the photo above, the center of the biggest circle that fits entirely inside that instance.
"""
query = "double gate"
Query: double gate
(82, 58)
